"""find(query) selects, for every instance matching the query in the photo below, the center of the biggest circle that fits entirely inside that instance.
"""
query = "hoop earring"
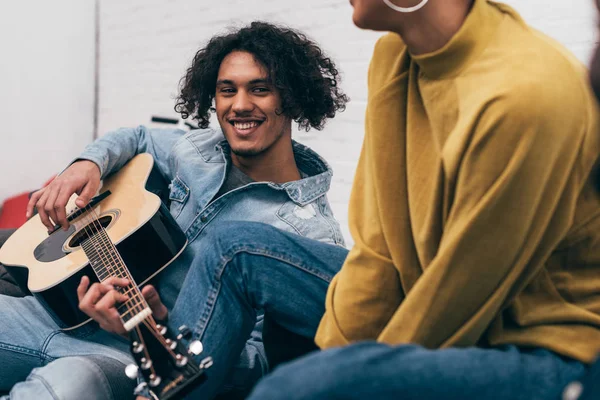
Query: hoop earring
(405, 9)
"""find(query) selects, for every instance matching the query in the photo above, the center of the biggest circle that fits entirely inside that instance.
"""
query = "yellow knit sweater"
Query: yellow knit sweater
(472, 211)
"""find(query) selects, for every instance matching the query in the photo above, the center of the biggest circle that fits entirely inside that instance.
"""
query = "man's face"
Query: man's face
(595, 67)
(248, 107)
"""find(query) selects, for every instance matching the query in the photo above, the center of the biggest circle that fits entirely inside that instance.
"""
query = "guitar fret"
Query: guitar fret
(106, 262)
(128, 310)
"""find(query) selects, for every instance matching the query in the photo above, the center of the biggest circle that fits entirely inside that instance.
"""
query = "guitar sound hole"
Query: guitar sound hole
(90, 230)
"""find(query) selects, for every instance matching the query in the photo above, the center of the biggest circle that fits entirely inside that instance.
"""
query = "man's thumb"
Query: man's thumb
(85, 196)
(156, 305)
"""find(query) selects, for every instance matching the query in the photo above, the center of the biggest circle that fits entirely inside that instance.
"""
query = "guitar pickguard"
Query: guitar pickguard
(51, 249)
(60, 243)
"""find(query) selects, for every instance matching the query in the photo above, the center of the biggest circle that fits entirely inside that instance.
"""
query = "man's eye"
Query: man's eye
(260, 90)
(227, 90)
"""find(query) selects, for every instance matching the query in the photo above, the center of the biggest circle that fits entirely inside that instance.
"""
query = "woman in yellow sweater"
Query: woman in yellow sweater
(476, 268)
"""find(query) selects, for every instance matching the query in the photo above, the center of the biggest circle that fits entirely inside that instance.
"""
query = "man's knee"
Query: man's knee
(74, 378)
(225, 240)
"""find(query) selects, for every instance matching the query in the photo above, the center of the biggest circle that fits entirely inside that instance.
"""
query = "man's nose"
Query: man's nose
(242, 103)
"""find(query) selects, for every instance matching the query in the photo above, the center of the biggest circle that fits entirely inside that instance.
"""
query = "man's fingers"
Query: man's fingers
(150, 294)
(50, 207)
(83, 287)
(88, 191)
(116, 281)
(40, 205)
(109, 301)
(159, 310)
(106, 310)
(99, 302)
(116, 323)
(91, 297)
(32, 200)
(60, 205)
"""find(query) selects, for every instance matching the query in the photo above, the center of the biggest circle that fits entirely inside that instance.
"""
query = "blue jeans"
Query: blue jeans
(244, 268)
(372, 370)
(248, 267)
(38, 361)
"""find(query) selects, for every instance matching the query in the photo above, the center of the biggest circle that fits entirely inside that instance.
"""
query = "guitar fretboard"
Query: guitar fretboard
(106, 262)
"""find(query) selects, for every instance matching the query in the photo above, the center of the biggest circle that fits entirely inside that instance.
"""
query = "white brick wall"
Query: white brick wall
(146, 45)
(46, 89)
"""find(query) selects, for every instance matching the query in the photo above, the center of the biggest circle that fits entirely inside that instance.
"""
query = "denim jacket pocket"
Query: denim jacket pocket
(178, 196)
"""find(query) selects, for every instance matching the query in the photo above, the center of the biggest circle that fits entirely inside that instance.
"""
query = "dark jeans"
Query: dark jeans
(244, 267)
(247, 267)
(371, 370)
(8, 286)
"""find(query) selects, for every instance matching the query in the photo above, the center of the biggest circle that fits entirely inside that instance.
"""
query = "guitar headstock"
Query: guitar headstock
(167, 366)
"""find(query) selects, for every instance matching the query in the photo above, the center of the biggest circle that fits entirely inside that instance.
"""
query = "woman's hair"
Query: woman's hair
(306, 79)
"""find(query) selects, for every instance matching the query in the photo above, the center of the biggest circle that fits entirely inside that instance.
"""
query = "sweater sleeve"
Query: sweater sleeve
(515, 195)
(365, 293)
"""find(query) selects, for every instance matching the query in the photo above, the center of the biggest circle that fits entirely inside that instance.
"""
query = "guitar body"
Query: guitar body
(136, 221)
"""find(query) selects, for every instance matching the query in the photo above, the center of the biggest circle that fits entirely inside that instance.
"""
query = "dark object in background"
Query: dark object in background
(282, 345)
(172, 121)
(7, 284)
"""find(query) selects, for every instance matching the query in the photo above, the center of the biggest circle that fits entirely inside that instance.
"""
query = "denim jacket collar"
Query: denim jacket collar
(316, 173)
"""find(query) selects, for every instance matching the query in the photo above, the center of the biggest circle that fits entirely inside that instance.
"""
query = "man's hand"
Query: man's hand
(100, 302)
(82, 177)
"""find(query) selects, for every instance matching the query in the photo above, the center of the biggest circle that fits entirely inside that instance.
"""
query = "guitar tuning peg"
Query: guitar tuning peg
(139, 388)
(206, 363)
(145, 363)
(184, 332)
(131, 371)
(137, 347)
(196, 347)
(154, 380)
(161, 329)
(180, 360)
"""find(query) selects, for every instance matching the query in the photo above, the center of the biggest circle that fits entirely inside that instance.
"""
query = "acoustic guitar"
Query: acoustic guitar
(125, 231)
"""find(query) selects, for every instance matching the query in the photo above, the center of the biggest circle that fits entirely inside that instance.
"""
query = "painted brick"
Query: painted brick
(145, 46)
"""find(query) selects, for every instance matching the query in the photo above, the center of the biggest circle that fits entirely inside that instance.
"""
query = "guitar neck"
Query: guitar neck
(106, 262)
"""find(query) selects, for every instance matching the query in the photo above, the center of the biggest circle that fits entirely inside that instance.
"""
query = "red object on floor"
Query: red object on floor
(13, 211)
(12, 214)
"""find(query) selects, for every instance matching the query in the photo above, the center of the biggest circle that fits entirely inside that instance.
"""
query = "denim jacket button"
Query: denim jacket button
(203, 219)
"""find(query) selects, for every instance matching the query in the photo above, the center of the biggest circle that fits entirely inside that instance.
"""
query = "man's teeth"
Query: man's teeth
(245, 125)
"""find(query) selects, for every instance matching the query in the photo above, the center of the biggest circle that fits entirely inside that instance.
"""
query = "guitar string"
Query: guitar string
(158, 336)
(149, 321)
(145, 349)
(124, 272)
(135, 297)
(101, 256)
(136, 302)
(92, 223)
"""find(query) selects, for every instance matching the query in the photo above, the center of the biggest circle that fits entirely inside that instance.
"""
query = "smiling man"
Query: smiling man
(258, 80)
(250, 116)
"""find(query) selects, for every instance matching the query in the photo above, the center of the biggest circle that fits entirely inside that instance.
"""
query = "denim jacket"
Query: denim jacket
(196, 163)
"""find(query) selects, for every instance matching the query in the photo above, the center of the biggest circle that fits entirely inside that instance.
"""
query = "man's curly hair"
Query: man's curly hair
(307, 80)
